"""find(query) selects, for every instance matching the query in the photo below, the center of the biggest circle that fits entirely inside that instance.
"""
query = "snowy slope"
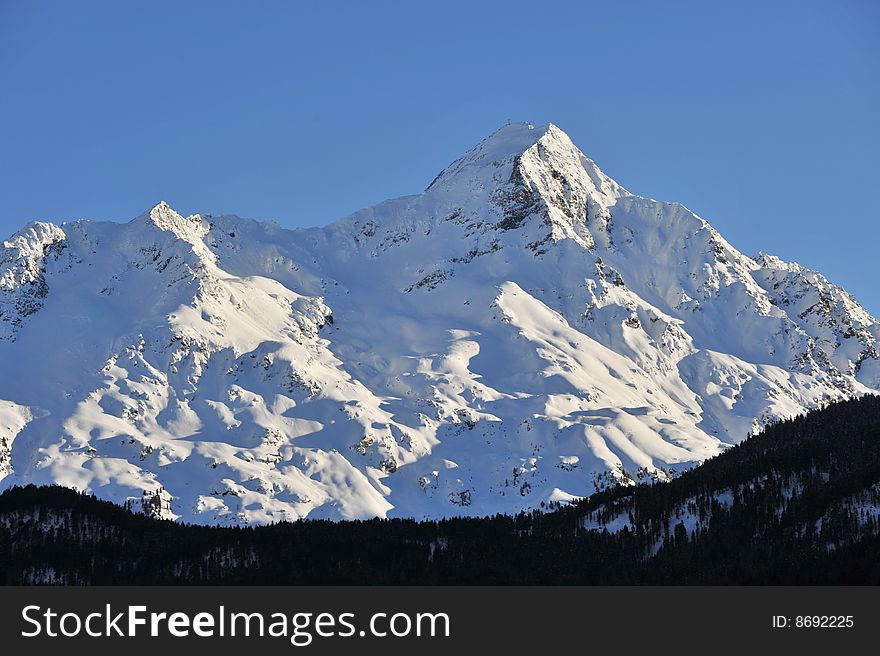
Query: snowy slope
(525, 331)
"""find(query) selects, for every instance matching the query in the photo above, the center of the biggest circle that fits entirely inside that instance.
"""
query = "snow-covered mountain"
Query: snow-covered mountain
(525, 331)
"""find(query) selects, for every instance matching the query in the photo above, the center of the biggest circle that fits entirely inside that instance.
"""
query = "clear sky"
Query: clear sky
(763, 117)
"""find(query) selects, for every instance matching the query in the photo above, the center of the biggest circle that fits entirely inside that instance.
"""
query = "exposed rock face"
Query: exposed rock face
(523, 332)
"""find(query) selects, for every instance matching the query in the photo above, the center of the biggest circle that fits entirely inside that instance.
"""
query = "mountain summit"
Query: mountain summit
(523, 332)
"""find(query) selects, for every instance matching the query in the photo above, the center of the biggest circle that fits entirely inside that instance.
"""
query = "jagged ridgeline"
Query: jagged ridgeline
(524, 332)
(799, 503)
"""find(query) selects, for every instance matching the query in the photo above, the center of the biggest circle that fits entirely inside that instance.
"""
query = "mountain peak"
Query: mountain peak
(162, 216)
(528, 181)
(502, 146)
(538, 155)
(33, 239)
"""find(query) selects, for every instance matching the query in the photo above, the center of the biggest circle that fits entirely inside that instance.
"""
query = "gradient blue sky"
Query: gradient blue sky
(764, 117)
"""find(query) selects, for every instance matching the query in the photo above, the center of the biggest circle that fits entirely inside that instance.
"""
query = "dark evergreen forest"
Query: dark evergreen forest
(797, 504)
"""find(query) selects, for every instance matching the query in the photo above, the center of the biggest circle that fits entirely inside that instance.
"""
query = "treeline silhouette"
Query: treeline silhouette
(797, 504)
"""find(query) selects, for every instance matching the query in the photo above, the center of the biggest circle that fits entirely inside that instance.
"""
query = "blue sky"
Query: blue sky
(760, 116)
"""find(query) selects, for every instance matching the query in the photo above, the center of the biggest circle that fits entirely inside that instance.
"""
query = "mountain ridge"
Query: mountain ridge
(524, 332)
